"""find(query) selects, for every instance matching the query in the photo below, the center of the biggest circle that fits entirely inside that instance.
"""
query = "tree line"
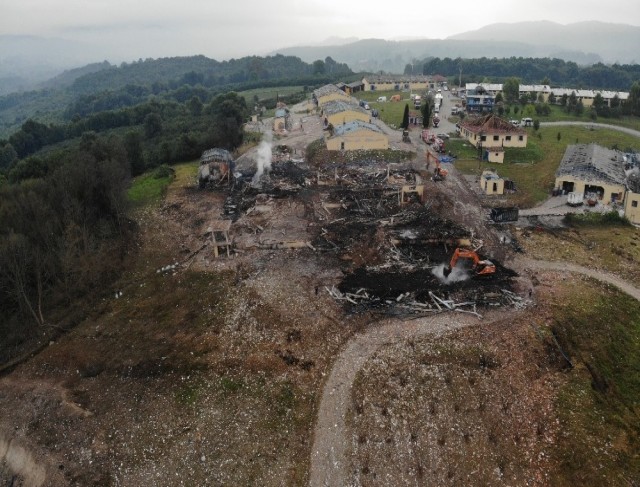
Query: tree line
(615, 77)
(62, 236)
(155, 133)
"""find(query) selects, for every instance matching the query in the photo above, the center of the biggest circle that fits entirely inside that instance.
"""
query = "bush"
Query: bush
(163, 171)
(611, 218)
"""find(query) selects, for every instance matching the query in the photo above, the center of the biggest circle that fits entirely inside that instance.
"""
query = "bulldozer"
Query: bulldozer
(478, 266)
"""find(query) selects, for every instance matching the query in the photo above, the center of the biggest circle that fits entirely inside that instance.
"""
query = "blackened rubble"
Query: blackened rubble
(390, 248)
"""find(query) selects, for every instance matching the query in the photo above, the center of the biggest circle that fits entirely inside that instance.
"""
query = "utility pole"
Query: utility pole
(460, 78)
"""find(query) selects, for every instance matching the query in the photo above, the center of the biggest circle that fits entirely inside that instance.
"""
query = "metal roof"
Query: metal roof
(219, 155)
(592, 162)
(490, 124)
(327, 90)
(355, 126)
(338, 106)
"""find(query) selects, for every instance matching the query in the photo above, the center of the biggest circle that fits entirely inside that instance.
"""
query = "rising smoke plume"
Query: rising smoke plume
(263, 163)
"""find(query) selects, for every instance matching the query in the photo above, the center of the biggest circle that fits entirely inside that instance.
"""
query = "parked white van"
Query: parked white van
(527, 122)
(382, 99)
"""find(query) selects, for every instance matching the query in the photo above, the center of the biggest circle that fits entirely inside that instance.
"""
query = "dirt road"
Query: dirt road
(330, 445)
(328, 454)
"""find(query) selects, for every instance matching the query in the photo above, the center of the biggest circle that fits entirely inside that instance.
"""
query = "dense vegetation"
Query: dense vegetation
(556, 72)
(62, 235)
(101, 87)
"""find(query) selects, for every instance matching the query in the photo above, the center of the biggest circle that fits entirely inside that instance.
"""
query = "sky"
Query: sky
(126, 30)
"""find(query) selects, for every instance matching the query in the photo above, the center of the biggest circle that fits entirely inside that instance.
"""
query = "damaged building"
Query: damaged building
(329, 93)
(340, 112)
(493, 133)
(593, 171)
(282, 121)
(356, 135)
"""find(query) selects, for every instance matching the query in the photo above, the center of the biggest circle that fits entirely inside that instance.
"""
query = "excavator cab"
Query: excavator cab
(479, 266)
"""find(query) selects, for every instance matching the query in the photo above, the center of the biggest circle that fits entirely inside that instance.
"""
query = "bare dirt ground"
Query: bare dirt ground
(245, 370)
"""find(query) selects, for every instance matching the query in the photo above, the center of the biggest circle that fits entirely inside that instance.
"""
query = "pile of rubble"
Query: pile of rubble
(391, 245)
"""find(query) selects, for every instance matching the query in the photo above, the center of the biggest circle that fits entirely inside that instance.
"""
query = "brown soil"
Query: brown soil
(211, 371)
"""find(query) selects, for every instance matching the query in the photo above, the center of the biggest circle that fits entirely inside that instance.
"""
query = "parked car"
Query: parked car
(443, 136)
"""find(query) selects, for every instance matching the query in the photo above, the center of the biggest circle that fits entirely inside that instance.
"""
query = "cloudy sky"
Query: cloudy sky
(129, 29)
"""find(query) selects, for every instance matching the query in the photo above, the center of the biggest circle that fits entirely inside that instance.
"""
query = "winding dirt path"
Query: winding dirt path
(330, 445)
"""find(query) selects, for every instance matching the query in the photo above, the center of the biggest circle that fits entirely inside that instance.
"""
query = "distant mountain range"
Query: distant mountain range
(28, 61)
(584, 43)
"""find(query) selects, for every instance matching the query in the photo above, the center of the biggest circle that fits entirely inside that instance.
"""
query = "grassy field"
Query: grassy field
(598, 328)
(558, 114)
(149, 188)
(268, 93)
(533, 169)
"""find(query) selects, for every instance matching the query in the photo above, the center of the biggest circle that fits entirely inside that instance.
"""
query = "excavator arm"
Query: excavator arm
(480, 267)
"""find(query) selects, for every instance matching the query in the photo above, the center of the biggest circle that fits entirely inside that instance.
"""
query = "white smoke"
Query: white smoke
(263, 163)
(458, 273)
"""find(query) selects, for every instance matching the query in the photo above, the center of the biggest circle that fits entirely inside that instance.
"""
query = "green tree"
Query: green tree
(152, 125)
(564, 99)
(133, 146)
(319, 67)
(8, 156)
(195, 106)
(511, 90)
(499, 98)
(552, 98)
(227, 114)
(427, 111)
(633, 102)
(536, 124)
(405, 117)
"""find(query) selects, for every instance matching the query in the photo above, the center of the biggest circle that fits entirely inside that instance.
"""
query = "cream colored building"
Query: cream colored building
(329, 93)
(592, 169)
(491, 183)
(397, 83)
(632, 207)
(492, 131)
(493, 154)
(357, 135)
(340, 112)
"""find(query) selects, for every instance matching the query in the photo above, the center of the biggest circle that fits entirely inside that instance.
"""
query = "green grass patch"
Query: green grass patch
(391, 112)
(151, 186)
(611, 218)
(268, 93)
(599, 408)
(533, 169)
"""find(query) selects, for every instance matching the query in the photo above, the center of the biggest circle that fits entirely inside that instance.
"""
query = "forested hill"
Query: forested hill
(194, 70)
(103, 86)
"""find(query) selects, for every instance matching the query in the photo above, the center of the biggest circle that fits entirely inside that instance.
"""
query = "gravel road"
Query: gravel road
(331, 438)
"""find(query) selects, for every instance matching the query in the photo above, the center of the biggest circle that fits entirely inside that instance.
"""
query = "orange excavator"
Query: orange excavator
(439, 174)
(478, 266)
